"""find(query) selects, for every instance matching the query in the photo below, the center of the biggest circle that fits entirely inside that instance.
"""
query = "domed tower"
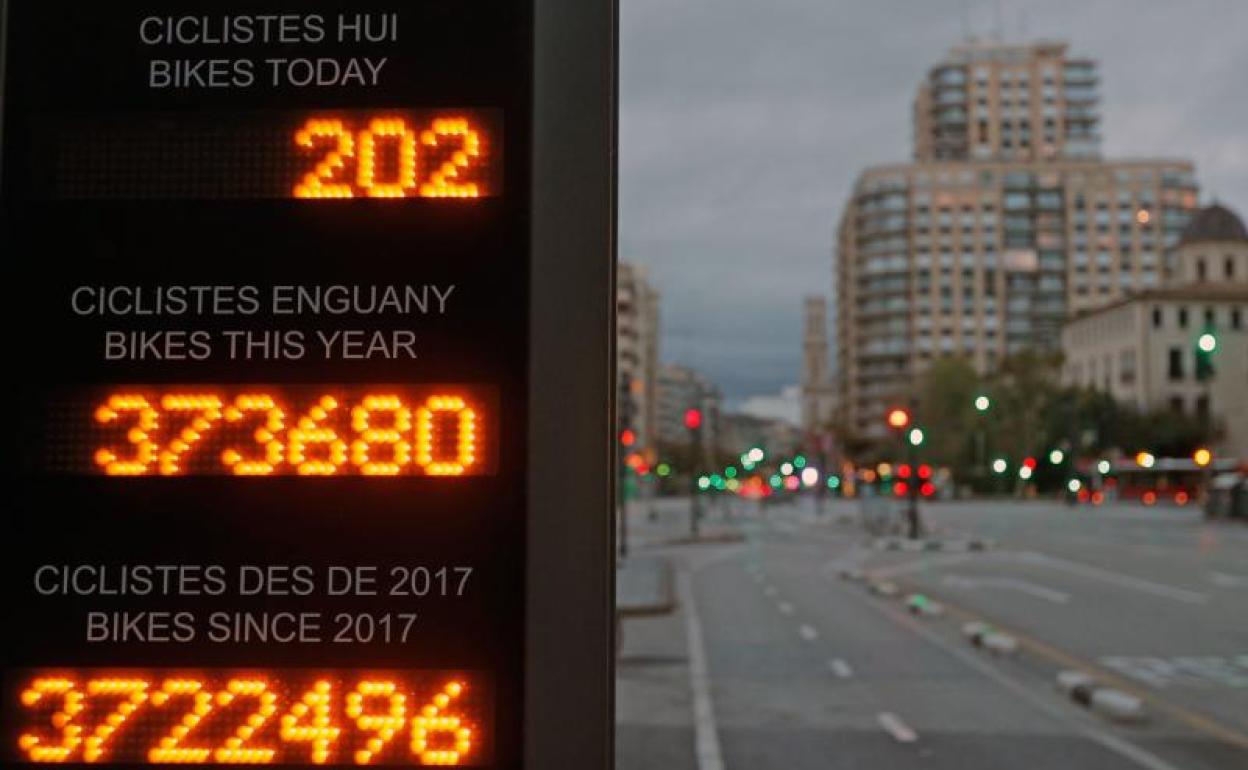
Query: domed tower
(1212, 249)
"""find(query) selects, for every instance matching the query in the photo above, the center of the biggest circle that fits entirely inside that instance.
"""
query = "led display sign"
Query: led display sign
(268, 289)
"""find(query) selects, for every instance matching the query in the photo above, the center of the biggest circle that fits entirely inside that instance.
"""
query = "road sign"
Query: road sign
(286, 288)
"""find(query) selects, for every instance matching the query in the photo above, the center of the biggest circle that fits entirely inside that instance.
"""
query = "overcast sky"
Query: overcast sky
(745, 122)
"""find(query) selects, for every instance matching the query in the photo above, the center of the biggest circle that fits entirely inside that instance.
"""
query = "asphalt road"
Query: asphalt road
(774, 660)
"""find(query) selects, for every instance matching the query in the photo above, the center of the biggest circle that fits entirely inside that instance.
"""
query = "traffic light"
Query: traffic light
(982, 403)
(1206, 345)
(1202, 457)
(1145, 459)
(628, 437)
(693, 419)
(916, 437)
(898, 418)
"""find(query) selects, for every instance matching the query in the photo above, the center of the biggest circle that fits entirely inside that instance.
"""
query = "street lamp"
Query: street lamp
(999, 465)
(1056, 456)
(916, 437)
(1104, 467)
(982, 403)
(1145, 459)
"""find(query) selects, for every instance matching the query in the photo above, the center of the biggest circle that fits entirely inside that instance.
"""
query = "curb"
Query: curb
(1114, 705)
(957, 545)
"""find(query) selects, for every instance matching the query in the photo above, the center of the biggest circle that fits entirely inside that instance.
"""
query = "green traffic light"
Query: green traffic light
(799, 462)
(1208, 342)
(730, 472)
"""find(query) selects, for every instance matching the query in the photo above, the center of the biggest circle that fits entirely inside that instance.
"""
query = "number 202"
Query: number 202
(330, 178)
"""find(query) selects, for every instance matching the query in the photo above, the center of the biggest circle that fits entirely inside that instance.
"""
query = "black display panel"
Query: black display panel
(267, 300)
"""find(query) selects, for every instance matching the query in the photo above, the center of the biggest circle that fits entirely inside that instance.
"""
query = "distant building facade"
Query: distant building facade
(742, 432)
(1006, 224)
(1142, 350)
(637, 351)
(818, 390)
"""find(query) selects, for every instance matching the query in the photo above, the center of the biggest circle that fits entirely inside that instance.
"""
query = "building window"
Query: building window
(1176, 404)
(1236, 318)
(1202, 407)
(1202, 273)
(1176, 363)
(1229, 268)
(1157, 318)
(1126, 367)
(1209, 316)
(1182, 318)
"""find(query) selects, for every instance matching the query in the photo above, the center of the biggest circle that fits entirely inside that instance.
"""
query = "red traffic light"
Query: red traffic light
(628, 437)
(898, 418)
(925, 471)
(928, 489)
(903, 471)
(1030, 462)
(900, 489)
(693, 419)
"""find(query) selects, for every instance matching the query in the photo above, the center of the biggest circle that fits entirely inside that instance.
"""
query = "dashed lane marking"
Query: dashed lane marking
(840, 668)
(900, 731)
(808, 632)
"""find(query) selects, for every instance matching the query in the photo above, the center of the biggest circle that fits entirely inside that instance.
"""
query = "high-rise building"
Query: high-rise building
(818, 392)
(637, 352)
(1005, 224)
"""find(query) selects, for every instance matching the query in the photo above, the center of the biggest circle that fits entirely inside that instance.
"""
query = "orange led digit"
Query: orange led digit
(132, 694)
(310, 433)
(265, 435)
(139, 435)
(427, 435)
(38, 749)
(385, 724)
(434, 719)
(441, 183)
(317, 183)
(371, 436)
(236, 751)
(405, 141)
(170, 750)
(206, 410)
(313, 708)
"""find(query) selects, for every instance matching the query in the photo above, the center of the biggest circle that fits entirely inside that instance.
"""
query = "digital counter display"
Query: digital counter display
(279, 430)
(333, 718)
(307, 155)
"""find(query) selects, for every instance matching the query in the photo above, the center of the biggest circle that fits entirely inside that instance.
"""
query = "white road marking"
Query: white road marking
(785, 608)
(840, 668)
(926, 563)
(1009, 584)
(1115, 578)
(1117, 745)
(1227, 580)
(808, 632)
(706, 734)
(900, 731)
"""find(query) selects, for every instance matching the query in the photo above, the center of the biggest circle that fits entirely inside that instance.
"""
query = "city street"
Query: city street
(792, 644)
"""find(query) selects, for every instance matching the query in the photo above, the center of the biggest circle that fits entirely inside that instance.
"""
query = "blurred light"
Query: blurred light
(1142, 216)
(799, 461)
(1056, 456)
(1074, 485)
(1030, 462)
(786, 468)
(834, 482)
(982, 403)
(776, 481)
(733, 485)
(898, 418)
(884, 469)
(664, 470)
(1202, 457)
(868, 476)
(757, 455)
(1181, 497)
(925, 471)
(900, 489)
(693, 419)
(1145, 459)
(717, 481)
(1149, 497)
(1207, 343)
(928, 489)
(916, 437)
(704, 483)
(1098, 497)
(628, 437)
(730, 472)
(746, 464)
(903, 471)
(1025, 472)
(999, 465)
(1104, 467)
(792, 483)
(810, 477)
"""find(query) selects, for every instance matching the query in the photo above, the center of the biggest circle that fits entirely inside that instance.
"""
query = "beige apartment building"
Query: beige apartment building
(1143, 350)
(1005, 224)
(637, 350)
